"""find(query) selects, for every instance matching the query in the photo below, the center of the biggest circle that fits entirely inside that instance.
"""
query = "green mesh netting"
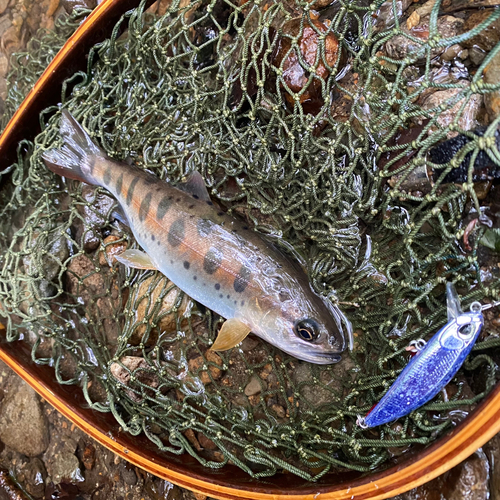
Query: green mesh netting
(328, 149)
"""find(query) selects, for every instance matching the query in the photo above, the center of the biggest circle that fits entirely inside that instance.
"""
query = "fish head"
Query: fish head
(463, 331)
(311, 329)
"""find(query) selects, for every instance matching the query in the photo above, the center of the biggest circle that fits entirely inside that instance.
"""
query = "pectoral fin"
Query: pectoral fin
(233, 332)
(136, 259)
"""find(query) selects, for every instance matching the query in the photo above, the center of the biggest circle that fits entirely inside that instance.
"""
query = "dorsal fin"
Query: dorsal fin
(195, 185)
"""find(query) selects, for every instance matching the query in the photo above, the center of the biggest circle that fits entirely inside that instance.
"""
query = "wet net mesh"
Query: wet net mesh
(342, 130)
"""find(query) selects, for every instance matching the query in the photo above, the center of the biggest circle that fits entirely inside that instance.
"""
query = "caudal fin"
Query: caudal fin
(76, 158)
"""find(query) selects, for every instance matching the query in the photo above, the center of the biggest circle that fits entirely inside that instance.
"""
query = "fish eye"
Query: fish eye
(307, 329)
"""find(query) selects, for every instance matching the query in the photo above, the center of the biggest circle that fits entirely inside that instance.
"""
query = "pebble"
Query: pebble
(111, 249)
(127, 474)
(254, 386)
(142, 371)
(196, 363)
(400, 46)
(468, 117)
(23, 426)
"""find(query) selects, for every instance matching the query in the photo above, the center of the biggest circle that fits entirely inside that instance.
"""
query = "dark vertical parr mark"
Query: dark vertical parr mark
(176, 233)
(119, 184)
(130, 192)
(163, 207)
(144, 208)
(242, 279)
(212, 260)
(106, 178)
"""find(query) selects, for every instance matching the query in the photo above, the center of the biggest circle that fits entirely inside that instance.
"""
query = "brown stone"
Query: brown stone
(23, 426)
(295, 76)
(196, 363)
(88, 458)
(487, 38)
(206, 443)
(191, 436)
(140, 369)
(111, 248)
(145, 304)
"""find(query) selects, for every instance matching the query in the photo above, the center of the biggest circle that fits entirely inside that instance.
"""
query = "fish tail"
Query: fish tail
(78, 155)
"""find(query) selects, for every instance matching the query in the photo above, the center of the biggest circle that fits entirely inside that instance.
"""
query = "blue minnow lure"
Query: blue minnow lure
(434, 365)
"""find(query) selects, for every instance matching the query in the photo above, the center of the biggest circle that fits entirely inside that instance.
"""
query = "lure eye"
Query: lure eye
(465, 331)
(307, 329)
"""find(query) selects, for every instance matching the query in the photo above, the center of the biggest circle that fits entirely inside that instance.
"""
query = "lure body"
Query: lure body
(214, 258)
(431, 368)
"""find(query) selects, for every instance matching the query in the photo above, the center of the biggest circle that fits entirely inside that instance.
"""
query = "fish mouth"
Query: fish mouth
(327, 358)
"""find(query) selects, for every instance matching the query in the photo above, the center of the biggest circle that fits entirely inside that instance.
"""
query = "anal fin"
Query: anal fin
(136, 259)
(233, 332)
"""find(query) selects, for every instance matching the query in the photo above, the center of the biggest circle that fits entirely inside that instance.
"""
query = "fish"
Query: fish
(214, 258)
(433, 366)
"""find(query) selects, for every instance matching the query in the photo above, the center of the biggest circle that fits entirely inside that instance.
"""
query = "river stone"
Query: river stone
(492, 450)
(492, 75)
(487, 38)
(253, 387)
(466, 481)
(22, 424)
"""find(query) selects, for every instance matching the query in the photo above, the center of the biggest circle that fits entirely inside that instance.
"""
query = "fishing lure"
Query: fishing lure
(215, 259)
(434, 365)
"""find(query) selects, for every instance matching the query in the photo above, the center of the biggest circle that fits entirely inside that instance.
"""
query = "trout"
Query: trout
(214, 258)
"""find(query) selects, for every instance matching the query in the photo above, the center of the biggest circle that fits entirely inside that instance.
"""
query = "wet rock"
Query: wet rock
(95, 211)
(5, 24)
(3, 5)
(476, 55)
(385, 18)
(22, 424)
(113, 245)
(88, 457)
(492, 76)
(295, 76)
(444, 99)
(193, 439)
(254, 386)
(98, 291)
(141, 371)
(128, 475)
(487, 38)
(466, 481)
(249, 343)
(61, 461)
(159, 313)
(70, 5)
(492, 450)
(400, 46)
(35, 475)
(49, 252)
(206, 443)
